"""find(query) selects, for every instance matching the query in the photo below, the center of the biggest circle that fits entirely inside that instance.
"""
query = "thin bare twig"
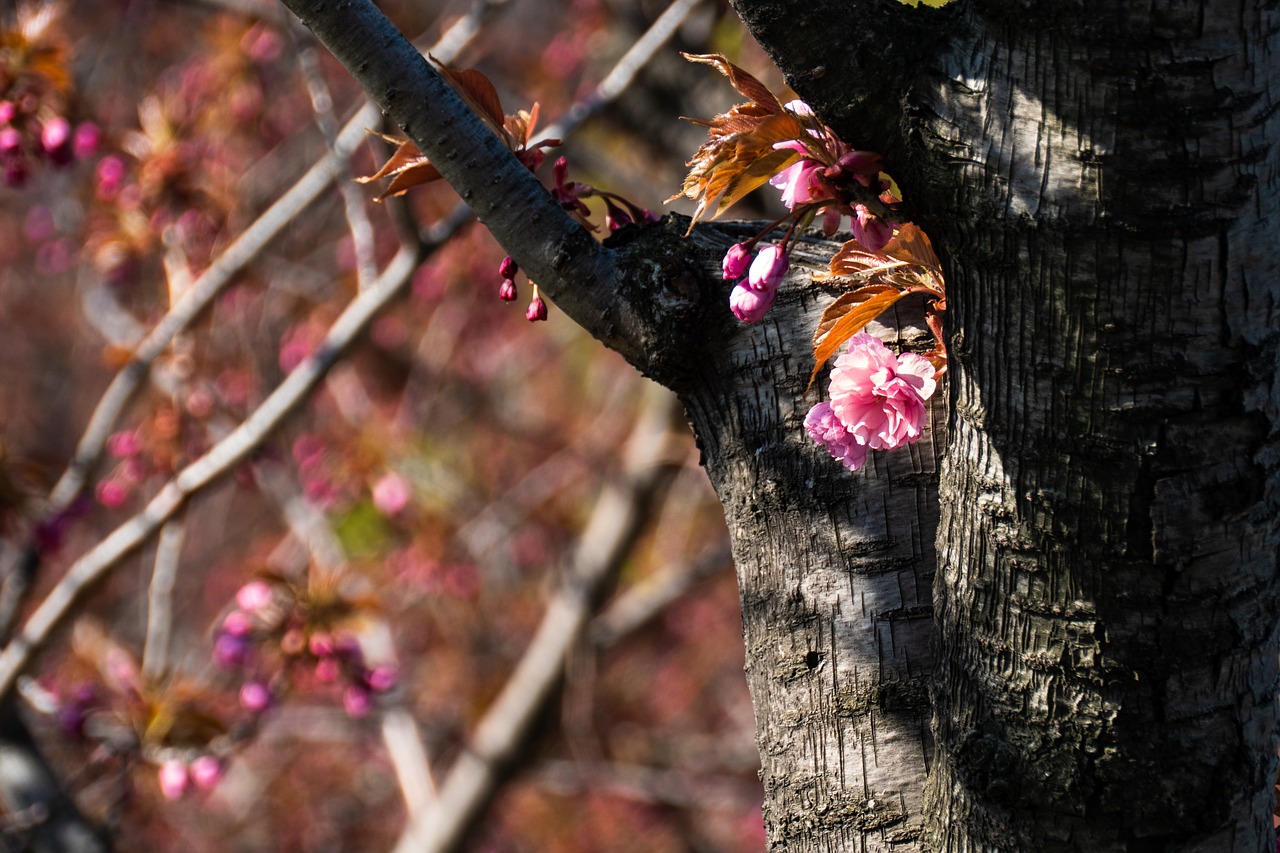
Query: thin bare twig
(222, 458)
(198, 297)
(616, 521)
(155, 651)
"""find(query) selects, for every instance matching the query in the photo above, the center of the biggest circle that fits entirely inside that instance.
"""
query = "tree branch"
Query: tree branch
(618, 518)
(625, 301)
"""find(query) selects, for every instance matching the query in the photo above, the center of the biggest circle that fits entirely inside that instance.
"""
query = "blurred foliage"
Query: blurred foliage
(451, 459)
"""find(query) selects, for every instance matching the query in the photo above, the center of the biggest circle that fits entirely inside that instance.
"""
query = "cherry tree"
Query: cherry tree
(1002, 498)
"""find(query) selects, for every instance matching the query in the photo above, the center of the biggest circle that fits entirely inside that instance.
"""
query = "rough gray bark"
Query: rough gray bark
(1098, 180)
(1102, 180)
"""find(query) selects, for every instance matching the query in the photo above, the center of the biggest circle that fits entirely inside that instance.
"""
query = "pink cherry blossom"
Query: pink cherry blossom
(255, 696)
(800, 182)
(768, 269)
(878, 396)
(750, 305)
(827, 430)
(507, 290)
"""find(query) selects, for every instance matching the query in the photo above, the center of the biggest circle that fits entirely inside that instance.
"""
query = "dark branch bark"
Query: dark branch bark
(592, 284)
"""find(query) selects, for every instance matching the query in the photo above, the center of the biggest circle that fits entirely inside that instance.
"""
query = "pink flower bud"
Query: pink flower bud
(110, 175)
(537, 310)
(327, 671)
(391, 494)
(736, 261)
(871, 232)
(357, 701)
(206, 772)
(254, 597)
(237, 623)
(124, 444)
(230, 651)
(507, 292)
(381, 678)
(7, 111)
(84, 144)
(55, 140)
(173, 779)
(10, 142)
(508, 268)
(111, 494)
(320, 644)
(768, 269)
(750, 305)
(255, 697)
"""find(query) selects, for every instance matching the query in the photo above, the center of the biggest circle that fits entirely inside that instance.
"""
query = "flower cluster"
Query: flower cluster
(877, 401)
(284, 634)
(35, 83)
(828, 179)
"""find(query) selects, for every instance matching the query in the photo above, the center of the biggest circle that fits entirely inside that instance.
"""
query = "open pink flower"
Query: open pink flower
(826, 429)
(799, 183)
(879, 396)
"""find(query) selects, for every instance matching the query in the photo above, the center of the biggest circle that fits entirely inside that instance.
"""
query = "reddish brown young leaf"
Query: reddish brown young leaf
(476, 89)
(847, 316)
(741, 80)
(408, 168)
(911, 245)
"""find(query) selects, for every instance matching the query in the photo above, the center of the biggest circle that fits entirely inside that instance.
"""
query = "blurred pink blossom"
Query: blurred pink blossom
(254, 696)
(173, 778)
(254, 597)
(391, 494)
(205, 772)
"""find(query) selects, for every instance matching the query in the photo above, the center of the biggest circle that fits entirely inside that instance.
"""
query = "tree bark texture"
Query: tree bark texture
(834, 568)
(1109, 539)
(1101, 179)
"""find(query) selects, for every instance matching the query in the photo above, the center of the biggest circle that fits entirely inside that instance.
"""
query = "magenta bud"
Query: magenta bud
(254, 696)
(10, 141)
(768, 269)
(327, 671)
(230, 651)
(508, 268)
(238, 623)
(507, 292)
(205, 772)
(381, 678)
(55, 140)
(864, 162)
(537, 310)
(7, 111)
(84, 144)
(357, 701)
(736, 261)
(750, 305)
(320, 644)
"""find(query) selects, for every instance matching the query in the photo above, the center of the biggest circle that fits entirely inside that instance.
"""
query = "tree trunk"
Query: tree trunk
(834, 573)
(1107, 590)
(1100, 181)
